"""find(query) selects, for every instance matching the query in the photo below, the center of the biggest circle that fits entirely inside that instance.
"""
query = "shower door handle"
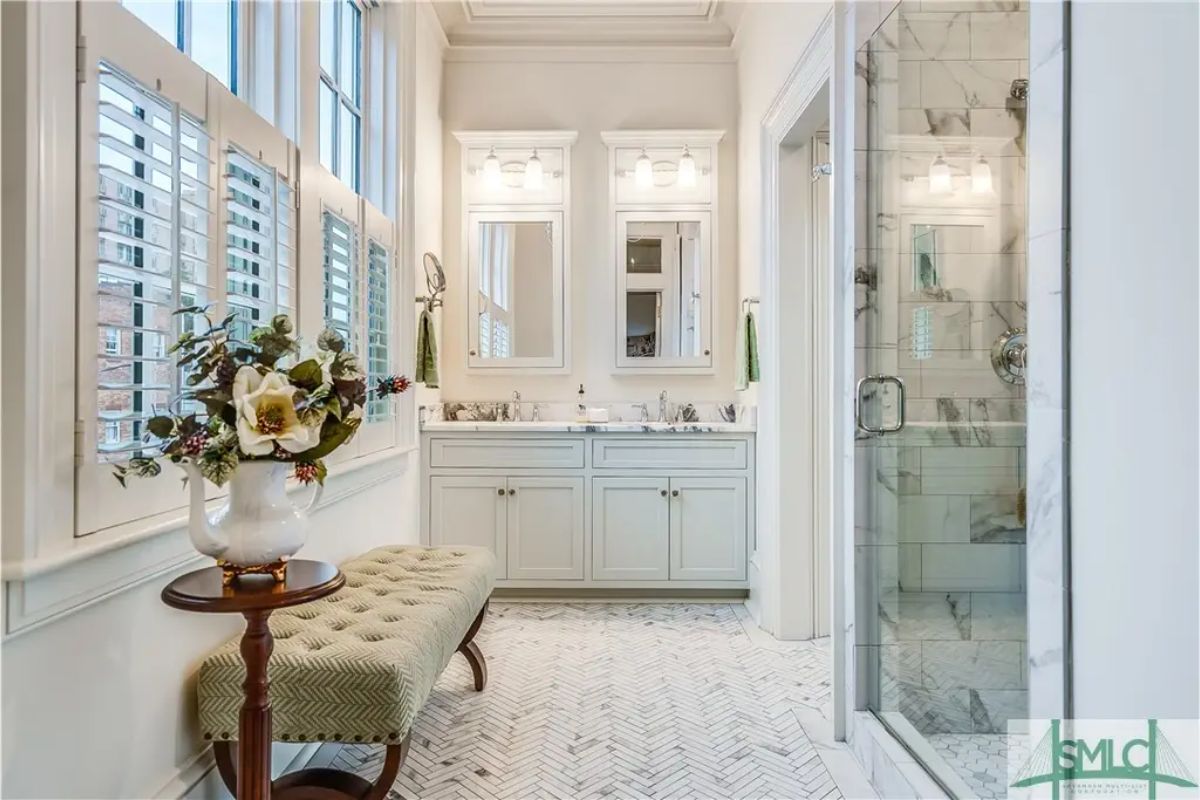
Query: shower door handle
(878, 380)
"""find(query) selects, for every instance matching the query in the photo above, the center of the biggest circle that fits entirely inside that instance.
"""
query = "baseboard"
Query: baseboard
(592, 595)
(199, 779)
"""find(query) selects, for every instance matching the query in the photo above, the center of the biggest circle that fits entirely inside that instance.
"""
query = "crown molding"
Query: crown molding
(588, 55)
(550, 138)
(661, 137)
(491, 9)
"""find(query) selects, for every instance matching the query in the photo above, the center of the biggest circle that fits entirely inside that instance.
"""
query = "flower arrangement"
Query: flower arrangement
(255, 408)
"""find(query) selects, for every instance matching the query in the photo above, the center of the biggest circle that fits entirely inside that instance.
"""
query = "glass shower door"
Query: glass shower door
(940, 422)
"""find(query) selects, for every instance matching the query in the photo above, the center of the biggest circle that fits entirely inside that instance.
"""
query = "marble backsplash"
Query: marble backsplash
(503, 411)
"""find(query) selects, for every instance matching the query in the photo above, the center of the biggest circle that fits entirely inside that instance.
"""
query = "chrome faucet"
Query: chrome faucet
(662, 406)
(645, 415)
(516, 407)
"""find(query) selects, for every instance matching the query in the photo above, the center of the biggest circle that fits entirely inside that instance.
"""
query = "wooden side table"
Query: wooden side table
(254, 597)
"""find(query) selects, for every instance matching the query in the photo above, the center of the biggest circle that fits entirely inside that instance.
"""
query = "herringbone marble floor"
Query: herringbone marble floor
(618, 701)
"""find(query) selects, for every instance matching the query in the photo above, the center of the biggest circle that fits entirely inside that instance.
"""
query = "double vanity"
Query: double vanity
(577, 505)
(600, 505)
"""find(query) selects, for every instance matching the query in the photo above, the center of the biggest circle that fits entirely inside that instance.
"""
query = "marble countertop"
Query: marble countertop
(565, 426)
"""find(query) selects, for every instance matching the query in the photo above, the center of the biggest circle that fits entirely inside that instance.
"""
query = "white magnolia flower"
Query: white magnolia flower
(266, 414)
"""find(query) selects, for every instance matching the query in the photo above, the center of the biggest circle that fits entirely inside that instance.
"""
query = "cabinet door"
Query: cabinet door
(545, 528)
(630, 529)
(470, 510)
(708, 529)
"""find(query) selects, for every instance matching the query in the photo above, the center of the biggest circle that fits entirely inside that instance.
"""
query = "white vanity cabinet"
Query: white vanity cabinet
(595, 509)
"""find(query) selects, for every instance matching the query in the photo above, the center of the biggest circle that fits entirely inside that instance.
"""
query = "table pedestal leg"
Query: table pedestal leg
(254, 721)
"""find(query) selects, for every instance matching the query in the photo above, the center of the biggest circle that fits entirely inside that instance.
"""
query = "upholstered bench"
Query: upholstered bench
(358, 665)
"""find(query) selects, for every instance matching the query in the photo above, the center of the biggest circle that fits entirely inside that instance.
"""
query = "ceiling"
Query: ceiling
(582, 23)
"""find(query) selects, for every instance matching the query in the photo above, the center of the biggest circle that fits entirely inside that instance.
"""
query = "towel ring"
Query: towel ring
(747, 302)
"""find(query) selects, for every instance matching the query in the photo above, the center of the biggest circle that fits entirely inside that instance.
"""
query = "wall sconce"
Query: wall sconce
(643, 171)
(492, 178)
(939, 177)
(534, 173)
(687, 170)
(981, 177)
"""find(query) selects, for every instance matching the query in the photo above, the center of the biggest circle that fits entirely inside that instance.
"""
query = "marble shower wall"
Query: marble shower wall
(945, 541)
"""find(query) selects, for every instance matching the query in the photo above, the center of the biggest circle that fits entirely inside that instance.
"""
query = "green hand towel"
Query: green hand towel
(747, 353)
(427, 370)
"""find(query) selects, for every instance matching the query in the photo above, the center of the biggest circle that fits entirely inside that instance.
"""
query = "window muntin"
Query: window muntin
(259, 242)
(340, 101)
(206, 30)
(152, 214)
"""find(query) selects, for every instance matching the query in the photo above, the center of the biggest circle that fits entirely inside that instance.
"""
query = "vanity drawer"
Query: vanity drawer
(643, 453)
(506, 453)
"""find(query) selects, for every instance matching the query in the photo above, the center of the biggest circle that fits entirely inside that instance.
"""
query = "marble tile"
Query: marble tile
(998, 616)
(997, 131)
(994, 520)
(975, 277)
(992, 709)
(910, 567)
(976, 470)
(991, 319)
(935, 518)
(999, 35)
(972, 665)
(967, 84)
(972, 5)
(949, 326)
(934, 123)
(935, 36)
(933, 616)
(909, 94)
(972, 567)
(964, 374)
(941, 711)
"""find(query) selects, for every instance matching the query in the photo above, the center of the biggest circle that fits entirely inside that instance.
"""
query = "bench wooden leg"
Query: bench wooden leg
(472, 652)
(319, 783)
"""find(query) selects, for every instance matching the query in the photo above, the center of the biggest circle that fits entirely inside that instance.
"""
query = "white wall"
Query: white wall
(101, 703)
(589, 97)
(427, 168)
(770, 38)
(1133, 328)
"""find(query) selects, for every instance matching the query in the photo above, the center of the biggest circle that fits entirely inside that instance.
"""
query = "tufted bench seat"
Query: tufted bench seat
(358, 665)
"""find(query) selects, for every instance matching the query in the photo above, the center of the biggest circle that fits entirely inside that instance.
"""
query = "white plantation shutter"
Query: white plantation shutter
(378, 325)
(341, 276)
(259, 247)
(152, 221)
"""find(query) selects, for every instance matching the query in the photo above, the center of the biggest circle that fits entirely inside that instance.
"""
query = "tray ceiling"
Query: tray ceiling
(535, 23)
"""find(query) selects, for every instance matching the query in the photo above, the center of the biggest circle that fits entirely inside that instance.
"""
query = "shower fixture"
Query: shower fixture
(1010, 356)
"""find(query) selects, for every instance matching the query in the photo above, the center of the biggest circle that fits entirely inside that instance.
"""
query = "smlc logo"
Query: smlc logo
(1111, 758)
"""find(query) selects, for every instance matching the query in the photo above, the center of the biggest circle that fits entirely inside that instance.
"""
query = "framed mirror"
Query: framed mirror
(664, 290)
(516, 289)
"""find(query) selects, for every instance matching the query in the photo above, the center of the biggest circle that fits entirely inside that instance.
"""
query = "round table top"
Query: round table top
(202, 590)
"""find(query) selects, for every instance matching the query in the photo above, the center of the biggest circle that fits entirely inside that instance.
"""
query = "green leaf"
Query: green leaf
(334, 434)
(161, 427)
(331, 340)
(306, 374)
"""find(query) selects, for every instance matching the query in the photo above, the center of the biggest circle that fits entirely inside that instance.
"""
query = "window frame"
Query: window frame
(239, 20)
(342, 99)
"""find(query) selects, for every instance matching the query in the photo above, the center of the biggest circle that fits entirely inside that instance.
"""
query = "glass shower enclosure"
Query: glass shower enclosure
(940, 294)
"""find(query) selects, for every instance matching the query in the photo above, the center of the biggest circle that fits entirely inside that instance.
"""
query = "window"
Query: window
(378, 325)
(152, 243)
(340, 100)
(259, 242)
(341, 274)
(206, 30)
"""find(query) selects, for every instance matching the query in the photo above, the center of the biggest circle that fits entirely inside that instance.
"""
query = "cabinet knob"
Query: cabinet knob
(500, 492)
(512, 491)
(674, 493)
(472, 352)
(708, 352)
(664, 492)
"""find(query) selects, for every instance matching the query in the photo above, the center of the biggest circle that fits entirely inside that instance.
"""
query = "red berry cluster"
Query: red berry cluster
(393, 384)
(279, 454)
(194, 444)
(306, 473)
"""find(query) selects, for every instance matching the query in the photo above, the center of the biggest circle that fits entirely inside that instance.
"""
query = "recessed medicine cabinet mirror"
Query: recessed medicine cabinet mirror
(663, 203)
(515, 229)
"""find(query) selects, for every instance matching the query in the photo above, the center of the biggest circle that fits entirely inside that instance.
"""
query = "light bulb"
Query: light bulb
(939, 177)
(643, 171)
(981, 177)
(491, 171)
(687, 170)
(533, 172)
